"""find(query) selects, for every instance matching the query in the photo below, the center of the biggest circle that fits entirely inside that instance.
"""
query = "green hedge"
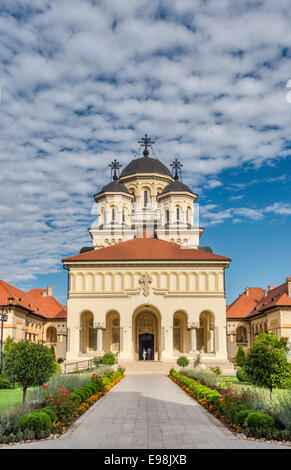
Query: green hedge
(241, 416)
(258, 420)
(50, 412)
(35, 421)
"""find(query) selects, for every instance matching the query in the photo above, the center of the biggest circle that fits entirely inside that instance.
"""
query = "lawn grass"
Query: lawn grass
(10, 397)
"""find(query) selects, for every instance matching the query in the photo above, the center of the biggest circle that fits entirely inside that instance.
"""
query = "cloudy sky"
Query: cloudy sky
(82, 81)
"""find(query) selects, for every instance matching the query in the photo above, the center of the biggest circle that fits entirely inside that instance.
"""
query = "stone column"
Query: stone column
(193, 338)
(100, 327)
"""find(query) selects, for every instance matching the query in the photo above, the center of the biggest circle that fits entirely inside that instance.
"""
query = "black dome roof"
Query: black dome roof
(145, 165)
(177, 186)
(114, 187)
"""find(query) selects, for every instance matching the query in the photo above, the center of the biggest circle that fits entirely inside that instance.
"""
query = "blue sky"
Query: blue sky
(82, 81)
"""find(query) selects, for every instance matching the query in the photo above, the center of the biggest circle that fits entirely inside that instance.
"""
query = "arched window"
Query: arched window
(145, 198)
(113, 217)
(123, 216)
(167, 216)
(178, 213)
(51, 335)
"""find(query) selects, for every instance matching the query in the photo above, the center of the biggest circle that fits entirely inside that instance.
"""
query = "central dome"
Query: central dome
(145, 165)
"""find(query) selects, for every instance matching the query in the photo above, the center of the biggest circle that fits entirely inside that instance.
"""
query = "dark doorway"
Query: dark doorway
(146, 341)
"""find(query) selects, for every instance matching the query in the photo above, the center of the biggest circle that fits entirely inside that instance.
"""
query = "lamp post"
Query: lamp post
(3, 318)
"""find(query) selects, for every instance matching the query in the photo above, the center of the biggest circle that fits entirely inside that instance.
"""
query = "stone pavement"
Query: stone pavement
(147, 412)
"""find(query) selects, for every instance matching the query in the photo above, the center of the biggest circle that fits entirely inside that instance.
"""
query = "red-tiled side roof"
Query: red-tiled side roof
(49, 305)
(146, 249)
(244, 304)
(20, 298)
(274, 298)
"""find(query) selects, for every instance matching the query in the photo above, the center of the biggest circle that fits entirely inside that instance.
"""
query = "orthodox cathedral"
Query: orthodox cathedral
(145, 284)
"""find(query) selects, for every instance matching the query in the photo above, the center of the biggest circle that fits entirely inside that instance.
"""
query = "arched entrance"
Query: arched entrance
(146, 333)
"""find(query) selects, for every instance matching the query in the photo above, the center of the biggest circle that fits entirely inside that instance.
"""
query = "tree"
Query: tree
(266, 364)
(182, 361)
(240, 356)
(29, 365)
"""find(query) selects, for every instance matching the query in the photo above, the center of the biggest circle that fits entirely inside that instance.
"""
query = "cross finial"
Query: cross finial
(115, 166)
(176, 165)
(146, 142)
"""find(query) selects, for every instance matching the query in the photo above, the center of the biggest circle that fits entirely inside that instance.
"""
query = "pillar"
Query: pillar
(193, 336)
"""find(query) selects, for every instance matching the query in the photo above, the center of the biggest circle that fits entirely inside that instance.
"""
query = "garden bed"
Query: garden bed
(235, 410)
(62, 408)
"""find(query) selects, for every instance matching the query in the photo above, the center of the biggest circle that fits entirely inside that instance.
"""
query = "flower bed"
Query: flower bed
(234, 409)
(62, 408)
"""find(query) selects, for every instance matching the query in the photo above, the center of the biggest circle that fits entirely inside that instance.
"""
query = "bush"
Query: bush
(216, 370)
(19, 436)
(241, 375)
(240, 356)
(50, 412)
(42, 434)
(108, 359)
(36, 421)
(5, 382)
(241, 416)
(58, 367)
(182, 361)
(257, 420)
(205, 377)
(97, 361)
(28, 434)
(11, 438)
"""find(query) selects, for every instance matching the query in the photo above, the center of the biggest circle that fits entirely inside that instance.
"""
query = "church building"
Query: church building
(145, 284)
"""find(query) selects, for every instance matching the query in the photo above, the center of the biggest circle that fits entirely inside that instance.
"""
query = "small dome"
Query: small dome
(114, 187)
(177, 186)
(145, 165)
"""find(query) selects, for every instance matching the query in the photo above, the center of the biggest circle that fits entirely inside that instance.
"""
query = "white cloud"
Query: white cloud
(82, 81)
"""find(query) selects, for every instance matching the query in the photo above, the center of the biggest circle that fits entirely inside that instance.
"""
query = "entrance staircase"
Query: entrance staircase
(163, 368)
(147, 367)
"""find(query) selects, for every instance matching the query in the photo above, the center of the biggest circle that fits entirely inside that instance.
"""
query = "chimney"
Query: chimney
(247, 291)
(288, 280)
(49, 291)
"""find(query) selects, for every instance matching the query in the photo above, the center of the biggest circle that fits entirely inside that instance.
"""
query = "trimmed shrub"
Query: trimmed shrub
(182, 361)
(240, 356)
(50, 412)
(257, 420)
(108, 359)
(36, 421)
(241, 416)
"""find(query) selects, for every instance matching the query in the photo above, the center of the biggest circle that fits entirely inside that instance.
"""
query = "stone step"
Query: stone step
(163, 367)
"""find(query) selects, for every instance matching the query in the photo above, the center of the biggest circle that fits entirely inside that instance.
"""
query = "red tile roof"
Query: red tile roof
(244, 304)
(146, 249)
(46, 307)
(277, 297)
(49, 305)
(258, 302)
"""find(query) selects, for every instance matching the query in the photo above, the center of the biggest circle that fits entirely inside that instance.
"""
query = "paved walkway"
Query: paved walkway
(147, 412)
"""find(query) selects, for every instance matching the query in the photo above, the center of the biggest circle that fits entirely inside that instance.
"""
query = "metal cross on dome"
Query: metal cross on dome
(146, 142)
(115, 166)
(176, 165)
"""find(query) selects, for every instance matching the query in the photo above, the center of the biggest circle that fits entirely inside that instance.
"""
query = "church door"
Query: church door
(146, 341)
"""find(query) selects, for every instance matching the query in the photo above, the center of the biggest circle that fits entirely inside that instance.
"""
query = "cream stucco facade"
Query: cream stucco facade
(172, 306)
